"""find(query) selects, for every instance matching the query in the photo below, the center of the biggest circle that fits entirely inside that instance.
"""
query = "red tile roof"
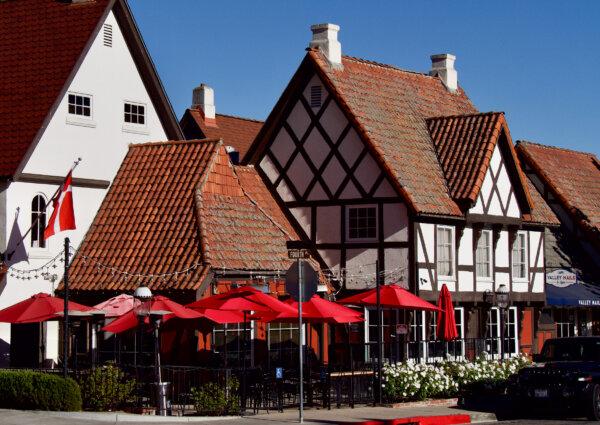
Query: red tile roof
(464, 145)
(235, 131)
(40, 43)
(389, 107)
(175, 206)
(573, 177)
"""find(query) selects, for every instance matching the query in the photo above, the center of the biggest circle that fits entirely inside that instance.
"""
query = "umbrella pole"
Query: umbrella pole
(379, 336)
(66, 312)
(244, 367)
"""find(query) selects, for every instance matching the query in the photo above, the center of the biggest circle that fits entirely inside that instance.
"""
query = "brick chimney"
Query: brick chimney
(325, 38)
(443, 66)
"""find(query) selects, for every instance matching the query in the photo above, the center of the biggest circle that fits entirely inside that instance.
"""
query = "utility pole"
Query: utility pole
(66, 312)
(379, 392)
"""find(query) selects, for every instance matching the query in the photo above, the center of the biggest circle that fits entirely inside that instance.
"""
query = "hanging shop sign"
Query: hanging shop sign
(561, 278)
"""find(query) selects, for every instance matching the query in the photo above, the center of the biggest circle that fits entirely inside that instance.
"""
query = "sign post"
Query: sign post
(66, 313)
(298, 251)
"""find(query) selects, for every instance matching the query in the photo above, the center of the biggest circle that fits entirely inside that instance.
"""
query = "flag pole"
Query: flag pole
(66, 312)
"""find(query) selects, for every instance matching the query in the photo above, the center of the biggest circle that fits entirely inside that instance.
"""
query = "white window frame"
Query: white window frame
(512, 321)
(135, 128)
(39, 249)
(490, 250)
(491, 325)
(511, 313)
(526, 260)
(80, 120)
(460, 327)
(370, 239)
(451, 276)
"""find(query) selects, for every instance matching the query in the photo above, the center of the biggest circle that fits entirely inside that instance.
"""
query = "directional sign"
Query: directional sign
(310, 280)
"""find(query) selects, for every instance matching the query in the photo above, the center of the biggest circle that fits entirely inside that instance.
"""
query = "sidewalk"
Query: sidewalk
(365, 415)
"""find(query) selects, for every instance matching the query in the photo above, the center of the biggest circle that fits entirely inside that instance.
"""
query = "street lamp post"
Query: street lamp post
(502, 303)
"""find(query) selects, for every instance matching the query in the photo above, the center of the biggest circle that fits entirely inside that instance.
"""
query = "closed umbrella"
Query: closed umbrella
(39, 308)
(446, 323)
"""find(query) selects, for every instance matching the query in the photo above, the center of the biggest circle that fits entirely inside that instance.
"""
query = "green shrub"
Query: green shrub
(106, 388)
(25, 389)
(212, 399)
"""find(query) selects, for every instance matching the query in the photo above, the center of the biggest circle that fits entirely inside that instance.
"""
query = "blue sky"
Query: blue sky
(537, 61)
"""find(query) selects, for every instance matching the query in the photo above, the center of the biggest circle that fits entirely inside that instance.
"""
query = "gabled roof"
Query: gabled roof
(390, 106)
(572, 177)
(42, 43)
(235, 131)
(464, 146)
(175, 206)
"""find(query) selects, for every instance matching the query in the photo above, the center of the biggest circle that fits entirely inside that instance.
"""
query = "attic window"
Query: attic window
(80, 104)
(135, 113)
(107, 35)
(315, 96)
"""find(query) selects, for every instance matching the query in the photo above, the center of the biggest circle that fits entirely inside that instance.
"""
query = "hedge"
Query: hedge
(29, 390)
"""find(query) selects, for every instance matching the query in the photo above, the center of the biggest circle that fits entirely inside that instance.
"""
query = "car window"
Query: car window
(569, 350)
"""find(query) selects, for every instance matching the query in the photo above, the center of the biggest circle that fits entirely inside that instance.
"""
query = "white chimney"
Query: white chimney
(443, 66)
(204, 97)
(325, 38)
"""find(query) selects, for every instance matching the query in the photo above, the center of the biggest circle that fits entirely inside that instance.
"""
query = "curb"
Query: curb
(130, 417)
(418, 420)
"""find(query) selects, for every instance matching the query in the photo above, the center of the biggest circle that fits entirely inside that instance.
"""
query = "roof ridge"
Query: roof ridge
(465, 115)
(560, 148)
(230, 116)
(173, 142)
(385, 65)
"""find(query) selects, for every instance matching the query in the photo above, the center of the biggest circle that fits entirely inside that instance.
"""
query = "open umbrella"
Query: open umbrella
(158, 305)
(446, 323)
(392, 296)
(39, 308)
(318, 310)
(118, 306)
(244, 299)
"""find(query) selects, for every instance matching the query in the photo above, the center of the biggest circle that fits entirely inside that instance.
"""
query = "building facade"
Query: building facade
(77, 83)
(395, 173)
(569, 181)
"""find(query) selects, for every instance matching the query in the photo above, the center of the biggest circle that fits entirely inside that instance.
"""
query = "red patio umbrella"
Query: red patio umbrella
(118, 306)
(39, 308)
(318, 310)
(244, 299)
(392, 296)
(446, 323)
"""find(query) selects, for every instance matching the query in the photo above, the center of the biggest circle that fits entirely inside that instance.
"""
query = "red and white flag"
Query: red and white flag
(63, 217)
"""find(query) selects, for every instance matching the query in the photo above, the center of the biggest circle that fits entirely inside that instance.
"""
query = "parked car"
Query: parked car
(565, 374)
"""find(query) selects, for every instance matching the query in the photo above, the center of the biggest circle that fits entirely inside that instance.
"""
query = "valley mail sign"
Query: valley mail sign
(561, 278)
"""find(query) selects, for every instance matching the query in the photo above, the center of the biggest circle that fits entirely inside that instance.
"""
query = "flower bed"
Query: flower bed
(417, 381)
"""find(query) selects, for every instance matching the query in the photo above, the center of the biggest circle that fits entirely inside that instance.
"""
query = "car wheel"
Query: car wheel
(593, 413)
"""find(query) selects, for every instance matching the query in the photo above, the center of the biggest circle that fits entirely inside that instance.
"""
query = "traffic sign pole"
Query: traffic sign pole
(301, 338)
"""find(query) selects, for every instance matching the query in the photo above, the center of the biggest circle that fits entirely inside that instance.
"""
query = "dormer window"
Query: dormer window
(80, 105)
(316, 96)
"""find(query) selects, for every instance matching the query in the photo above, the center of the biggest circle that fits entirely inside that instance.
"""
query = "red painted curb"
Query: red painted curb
(417, 420)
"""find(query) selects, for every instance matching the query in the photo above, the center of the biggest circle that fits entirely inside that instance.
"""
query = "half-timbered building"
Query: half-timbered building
(396, 173)
(569, 181)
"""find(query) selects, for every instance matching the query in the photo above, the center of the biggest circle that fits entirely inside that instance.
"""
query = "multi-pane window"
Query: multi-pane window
(511, 332)
(228, 340)
(445, 251)
(135, 113)
(38, 221)
(362, 223)
(492, 333)
(519, 257)
(80, 104)
(483, 255)
(511, 336)
(315, 96)
(565, 322)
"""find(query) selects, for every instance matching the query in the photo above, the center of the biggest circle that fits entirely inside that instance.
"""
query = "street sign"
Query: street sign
(310, 281)
(298, 254)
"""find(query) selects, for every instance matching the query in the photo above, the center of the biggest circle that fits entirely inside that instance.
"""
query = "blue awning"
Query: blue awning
(576, 295)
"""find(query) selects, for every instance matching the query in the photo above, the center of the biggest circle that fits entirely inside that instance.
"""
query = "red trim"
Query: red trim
(417, 420)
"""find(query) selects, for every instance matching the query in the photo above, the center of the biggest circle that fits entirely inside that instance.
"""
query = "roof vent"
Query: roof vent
(443, 66)
(203, 97)
(325, 38)
(234, 155)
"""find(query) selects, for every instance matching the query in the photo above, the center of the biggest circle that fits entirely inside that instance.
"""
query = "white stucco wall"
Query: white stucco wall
(108, 74)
